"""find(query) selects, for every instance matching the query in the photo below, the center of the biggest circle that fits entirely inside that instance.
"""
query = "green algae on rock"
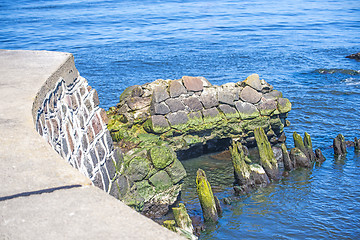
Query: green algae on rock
(156, 124)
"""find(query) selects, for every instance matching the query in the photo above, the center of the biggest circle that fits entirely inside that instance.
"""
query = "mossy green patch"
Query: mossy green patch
(145, 190)
(161, 181)
(162, 156)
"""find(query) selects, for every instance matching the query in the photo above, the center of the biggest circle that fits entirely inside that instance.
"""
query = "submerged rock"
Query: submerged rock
(337, 70)
(355, 56)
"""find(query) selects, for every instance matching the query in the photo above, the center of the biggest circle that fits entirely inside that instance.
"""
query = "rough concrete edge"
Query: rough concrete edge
(69, 76)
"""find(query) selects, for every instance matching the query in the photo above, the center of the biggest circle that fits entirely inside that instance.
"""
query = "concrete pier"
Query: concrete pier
(41, 195)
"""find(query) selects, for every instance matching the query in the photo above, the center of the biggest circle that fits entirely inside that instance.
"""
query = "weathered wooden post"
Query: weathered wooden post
(339, 145)
(267, 158)
(206, 197)
(309, 146)
(182, 218)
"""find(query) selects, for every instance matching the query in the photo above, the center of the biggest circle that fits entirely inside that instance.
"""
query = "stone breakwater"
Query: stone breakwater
(156, 123)
(66, 113)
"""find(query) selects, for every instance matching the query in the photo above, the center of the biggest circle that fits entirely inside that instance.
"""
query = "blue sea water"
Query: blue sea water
(121, 43)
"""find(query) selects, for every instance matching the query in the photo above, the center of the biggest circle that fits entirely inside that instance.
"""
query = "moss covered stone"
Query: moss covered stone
(162, 156)
(284, 105)
(145, 190)
(176, 171)
(138, 168)
(161, 181)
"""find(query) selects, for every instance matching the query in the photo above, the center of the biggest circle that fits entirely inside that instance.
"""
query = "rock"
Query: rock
(339, 145)
(159, 108)
(206, 197)
(284, 105)
(355, 56)
(176, 171)
(250, 95)
(254, 81)
(299, 159)
(176, 88)
(193, 83)
(145, 190)
(138, 168)
(208, 98)
(226, 97)
(175, 104)
(136, 103)
(319, 157)
(211, 115)
(162, 156)
(288, 164)
(157, 124)
(273, 95)
(229, 112)
(246, 110)
(182, 218)
(193, 103)
(178, 119)
(267, 159)
(160, 94)
(161, 181)
(356, 144)
(267, 107)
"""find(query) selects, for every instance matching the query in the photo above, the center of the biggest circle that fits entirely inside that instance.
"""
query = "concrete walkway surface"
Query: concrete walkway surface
(42, 196)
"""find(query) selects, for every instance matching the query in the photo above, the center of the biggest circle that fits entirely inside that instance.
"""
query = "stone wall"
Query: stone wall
(157, 123)
(66, 113)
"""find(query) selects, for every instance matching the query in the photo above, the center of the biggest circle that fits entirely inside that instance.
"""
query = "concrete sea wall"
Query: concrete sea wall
(66, 113)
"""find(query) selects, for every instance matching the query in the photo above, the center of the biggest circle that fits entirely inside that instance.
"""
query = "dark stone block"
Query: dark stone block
(93, 157)
(84, 142)
(246, 110)
(266, 108)
(110, 166)
(98, 181)
(226, 97)
(157, 124)
(193, 103)
(160, 94)
(210, 113)
(175, 104)
(108, 141)
(208, 98)
(250, 95)
(105, 177)
(96, 98)
(137, 103)
(229, 112)
(176, 171)
(177, 118)
(159, 108)
(176, 89)
(88, 166)
(101, 151)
